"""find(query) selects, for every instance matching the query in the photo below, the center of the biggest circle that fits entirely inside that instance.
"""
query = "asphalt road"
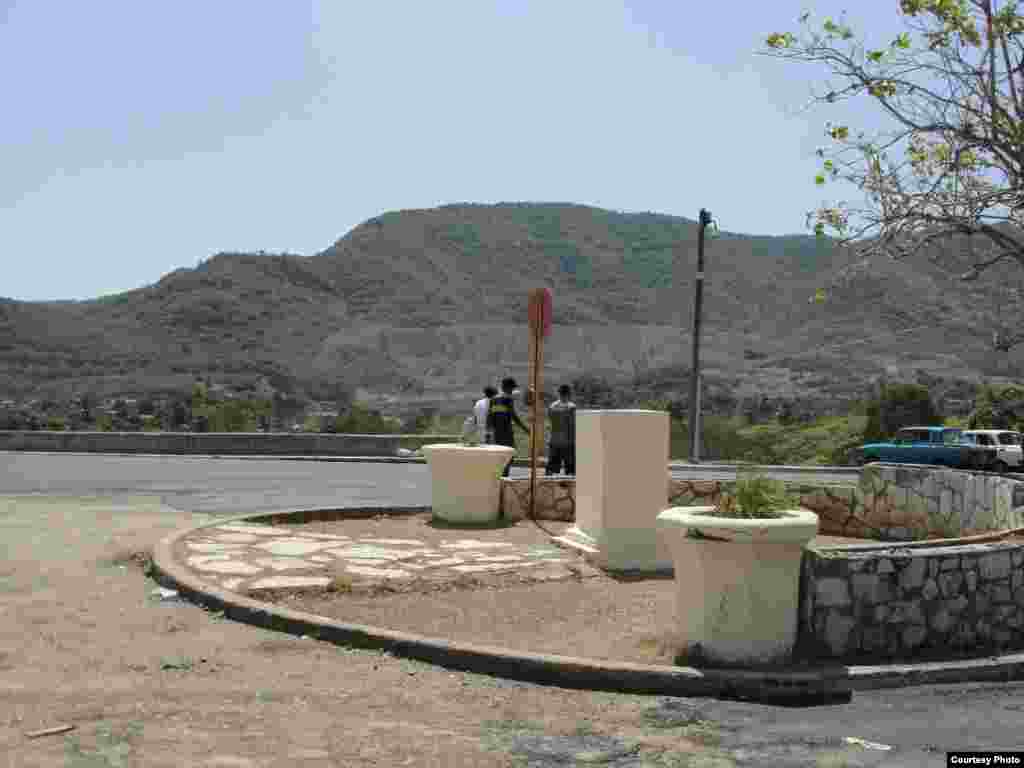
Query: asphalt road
(238, 485)
(920, 724)
(217, 485)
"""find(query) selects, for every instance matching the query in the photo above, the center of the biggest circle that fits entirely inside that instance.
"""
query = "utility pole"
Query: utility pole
(704, 220)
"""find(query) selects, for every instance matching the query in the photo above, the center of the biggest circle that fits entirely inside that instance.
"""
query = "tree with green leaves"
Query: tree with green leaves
(951, 160)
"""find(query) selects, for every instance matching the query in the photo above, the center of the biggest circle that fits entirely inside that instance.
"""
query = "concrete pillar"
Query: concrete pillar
(621, 488)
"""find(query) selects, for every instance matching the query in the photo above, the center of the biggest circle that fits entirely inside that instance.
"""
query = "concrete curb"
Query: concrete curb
(824, 682)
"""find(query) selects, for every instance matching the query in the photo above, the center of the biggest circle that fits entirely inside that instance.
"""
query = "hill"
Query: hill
(425, 306)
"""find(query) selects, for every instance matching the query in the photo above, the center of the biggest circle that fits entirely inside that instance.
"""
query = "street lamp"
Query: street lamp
(704, 220)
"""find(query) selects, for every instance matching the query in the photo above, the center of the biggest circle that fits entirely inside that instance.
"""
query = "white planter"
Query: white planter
(465, 481)
(737, 587)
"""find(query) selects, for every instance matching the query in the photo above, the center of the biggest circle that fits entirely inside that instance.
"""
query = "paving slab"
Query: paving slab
(213, 546)
(492, 567)
(382, 573)
(289, 582)
(473, 544)
(199, 561)
(293, 547)
(253, 528)
(237, 538)
(230, 567)
(408, 542)
(284, 563)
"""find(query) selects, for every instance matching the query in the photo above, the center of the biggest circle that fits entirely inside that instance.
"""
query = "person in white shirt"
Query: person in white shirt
(480, 414)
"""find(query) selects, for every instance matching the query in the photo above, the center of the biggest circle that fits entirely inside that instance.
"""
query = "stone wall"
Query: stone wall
(908, 502)
(868, 602)
(216, 443)
(556, 496)
(891, 503)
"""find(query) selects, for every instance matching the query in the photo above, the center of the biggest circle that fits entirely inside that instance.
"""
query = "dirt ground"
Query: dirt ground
(84, 641)
(593, 616)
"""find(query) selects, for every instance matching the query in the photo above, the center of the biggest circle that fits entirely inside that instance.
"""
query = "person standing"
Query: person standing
(562, 448)
(480, 409)
(502, 415)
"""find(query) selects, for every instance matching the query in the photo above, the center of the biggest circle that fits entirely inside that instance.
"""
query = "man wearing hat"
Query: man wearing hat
(502, 415)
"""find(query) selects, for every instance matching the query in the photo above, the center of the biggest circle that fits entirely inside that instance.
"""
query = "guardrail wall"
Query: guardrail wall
(216, 443)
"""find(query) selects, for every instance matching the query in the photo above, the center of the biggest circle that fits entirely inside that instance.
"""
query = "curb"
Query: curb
(828, 682)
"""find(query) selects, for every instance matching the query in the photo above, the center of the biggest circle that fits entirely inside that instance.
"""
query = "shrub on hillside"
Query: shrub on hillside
(421, 422)
(901, 405)
(360, 420)
(590, 391)
(997, 407)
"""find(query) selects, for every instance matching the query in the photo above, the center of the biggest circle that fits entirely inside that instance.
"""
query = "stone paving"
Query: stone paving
(246, 557)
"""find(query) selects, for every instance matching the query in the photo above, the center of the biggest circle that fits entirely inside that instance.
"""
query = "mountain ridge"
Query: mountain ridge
(426, 305)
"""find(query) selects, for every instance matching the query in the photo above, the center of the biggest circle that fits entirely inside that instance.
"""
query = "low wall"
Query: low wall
(903, 502)
(891, 503)
(216, 443)
(556, 496)
(870, 602)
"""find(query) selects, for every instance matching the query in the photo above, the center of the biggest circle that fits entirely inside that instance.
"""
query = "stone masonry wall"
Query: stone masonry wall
(556, 496)
(860, 603)
(891, 503)
(908, 502)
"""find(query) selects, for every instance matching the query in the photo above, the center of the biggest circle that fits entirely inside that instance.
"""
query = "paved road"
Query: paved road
(227, 485)
(921, 723)
(217, 485)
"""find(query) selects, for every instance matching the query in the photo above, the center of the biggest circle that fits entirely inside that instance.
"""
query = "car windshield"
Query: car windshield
(981, 439)
(1009, 438)
(972, 439)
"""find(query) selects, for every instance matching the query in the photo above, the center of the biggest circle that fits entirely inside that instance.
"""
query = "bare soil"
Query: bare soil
(150, 682)
(591, 615)
(145, 681)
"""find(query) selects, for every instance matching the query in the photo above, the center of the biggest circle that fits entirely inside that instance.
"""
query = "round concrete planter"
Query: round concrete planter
(737, 583)
(465, 481)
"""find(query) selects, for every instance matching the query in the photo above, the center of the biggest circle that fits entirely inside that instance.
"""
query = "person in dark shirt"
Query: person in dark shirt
(502, 415)
(562, 447)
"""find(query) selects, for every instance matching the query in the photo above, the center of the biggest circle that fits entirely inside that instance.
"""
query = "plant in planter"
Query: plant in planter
(755, 496)
(737, 567)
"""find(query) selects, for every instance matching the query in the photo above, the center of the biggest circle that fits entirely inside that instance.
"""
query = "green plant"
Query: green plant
(755, 496)
(361, 420)
(113, 746)
(183, 663)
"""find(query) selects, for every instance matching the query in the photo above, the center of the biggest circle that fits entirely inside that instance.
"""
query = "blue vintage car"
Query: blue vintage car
(944, 446)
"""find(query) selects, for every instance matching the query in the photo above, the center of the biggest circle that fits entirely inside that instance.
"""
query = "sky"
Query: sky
(138, 138)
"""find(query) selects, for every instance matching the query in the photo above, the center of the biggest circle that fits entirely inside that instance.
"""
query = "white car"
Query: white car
(1008, 444)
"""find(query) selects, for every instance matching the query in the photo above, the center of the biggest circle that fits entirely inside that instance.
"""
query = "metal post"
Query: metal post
(704, 220)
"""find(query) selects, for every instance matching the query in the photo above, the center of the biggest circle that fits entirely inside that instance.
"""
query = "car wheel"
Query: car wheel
(1000, 466)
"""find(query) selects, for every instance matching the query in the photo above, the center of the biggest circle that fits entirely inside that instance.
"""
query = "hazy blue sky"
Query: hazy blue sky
(141, 137)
